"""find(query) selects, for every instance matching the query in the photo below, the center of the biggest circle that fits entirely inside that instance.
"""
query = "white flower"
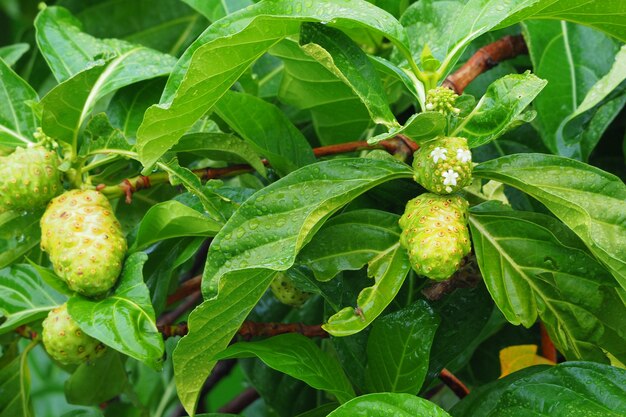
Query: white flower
(430, 106)
(464, 155)
(439, 153)
(449, 177)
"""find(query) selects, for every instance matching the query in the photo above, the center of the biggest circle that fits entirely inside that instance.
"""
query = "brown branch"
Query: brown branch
(548, 350)
(250, 329)
(186, 288)
(240, 402)
(171, 316)
(484, 59)
(454, 383)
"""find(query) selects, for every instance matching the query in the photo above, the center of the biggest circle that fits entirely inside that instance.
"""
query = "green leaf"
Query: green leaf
(350, 240)
(171, 219)
(271, 227)
(19, 233)
(588, 200)
(10, 54)
(267, 129)
(17, 119)
(299, 357)
(15, 386)
(559, 51)
(336, 111)
(235, 42)
(102, 138)
(216, 9)
(420, 128)
(572, 389)
(97, 382)
(534, 267)
(127, 107)
(345, 59)
(501, 108)
(24, 297)
(69, 51)
(125, 320)
(387, 404)
(398, 349)
(220, 318)
(221, 147)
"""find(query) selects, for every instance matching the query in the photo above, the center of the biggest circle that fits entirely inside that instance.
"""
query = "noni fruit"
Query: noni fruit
(443, 165)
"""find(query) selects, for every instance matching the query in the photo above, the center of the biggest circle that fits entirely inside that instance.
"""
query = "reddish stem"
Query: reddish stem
(548, 350)
(454, 383)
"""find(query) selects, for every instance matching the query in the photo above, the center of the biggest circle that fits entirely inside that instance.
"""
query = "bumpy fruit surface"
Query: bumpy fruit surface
(434, 232)
(29, 178)
(286, 291)
(65, 341)
(443, 165)
(84, 240)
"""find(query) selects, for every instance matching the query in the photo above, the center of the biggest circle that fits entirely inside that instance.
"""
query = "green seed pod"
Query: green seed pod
(286, 291)
(66, 342)
(29, 178)
(443, 165)
(84, 240)
(435, 234)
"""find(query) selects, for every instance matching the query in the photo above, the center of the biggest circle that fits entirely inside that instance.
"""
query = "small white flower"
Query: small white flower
(439, 153)
(464, 155)
(430, 106)
(449, 177)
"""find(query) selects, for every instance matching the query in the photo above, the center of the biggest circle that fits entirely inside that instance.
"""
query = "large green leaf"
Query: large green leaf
(97, 382)
(228, 47)
(17, 119)
(267, 129)
(337, 112)
(19, 233)
(588, 200)
(124, 320)
(69, 51)
(344, 58)
(398, 349)
(127, 107)
(559, 54)
(212, 326)
(15, 386)
(501, 108)
(216, 9)
(420, 127)
(388, 404)
(171, 219)
(24, 297)
(10, 54)
(534, 267)
(570, 389)
(299, 357)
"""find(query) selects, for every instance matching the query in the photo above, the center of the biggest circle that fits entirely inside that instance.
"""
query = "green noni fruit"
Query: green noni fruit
(65, 341)
(286, 291)
(29, 178)
(434, 232)
(443, 165)
(84, 240)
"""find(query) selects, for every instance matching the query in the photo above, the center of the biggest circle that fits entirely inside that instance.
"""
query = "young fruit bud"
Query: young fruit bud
(434, 232)
(443, 165)
(65, 341)
(29, 178)
(286, 291)
(84, 240)
(442, 99)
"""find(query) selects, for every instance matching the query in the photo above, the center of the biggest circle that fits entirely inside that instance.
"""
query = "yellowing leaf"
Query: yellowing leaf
(514, 358)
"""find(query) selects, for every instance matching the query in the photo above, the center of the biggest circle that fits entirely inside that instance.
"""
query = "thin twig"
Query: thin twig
(171, 316)
(221, 370)
(240, 402)
(188, 287)
(454, 383)
(250, 329)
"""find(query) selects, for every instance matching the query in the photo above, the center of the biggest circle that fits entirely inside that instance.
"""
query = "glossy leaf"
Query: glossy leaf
(572, 389)
(15, 386)
(386, 404)
(501, 108)
(17, 119)
(24, 297)
(10, 54)
(398, 349)
(560, 54)
(102, 138)
(535, 267)
(238, 40)
(220, 318)
(346, 60)
(267, 129)
(420, 128)
(271, 227)
(124, 320)
(127, 107)
(97, 382)
(216, 9)
(69, 51)
(19, 233)
(171, 219)
(299, 357)
(588, 200)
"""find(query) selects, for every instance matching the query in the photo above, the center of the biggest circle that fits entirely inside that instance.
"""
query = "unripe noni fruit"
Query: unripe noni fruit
(434, 232)
(29, 178)
(443, 165)
(84, 240)
(286, 291)
(442, 100)
(65, 341)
